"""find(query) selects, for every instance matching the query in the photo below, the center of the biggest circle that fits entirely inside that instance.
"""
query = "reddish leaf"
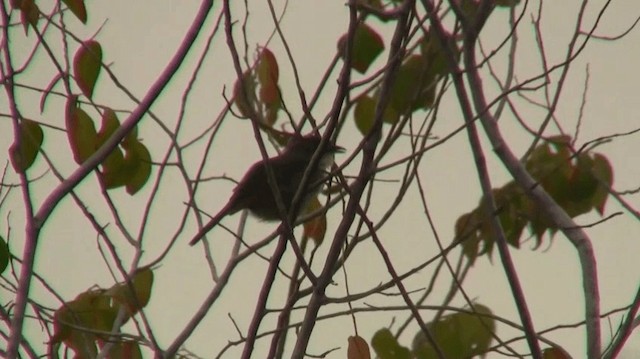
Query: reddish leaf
(80, 131)
(244, 94)
(367, 45)
(555, 353)
(29, 14)
(86, 66)
(358, 348)
(268, 73)
(23, 152)
(77, 8)
(316, 227)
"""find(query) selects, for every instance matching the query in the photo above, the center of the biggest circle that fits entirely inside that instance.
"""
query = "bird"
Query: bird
(254, 192)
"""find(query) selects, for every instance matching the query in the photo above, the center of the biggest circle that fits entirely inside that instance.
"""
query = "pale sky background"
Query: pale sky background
(139, 38)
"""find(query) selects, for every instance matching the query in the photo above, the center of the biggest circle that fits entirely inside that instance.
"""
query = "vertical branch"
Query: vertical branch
(29, 251)
(35, 223)
(470, 36)
(557, 214)
(366, 168)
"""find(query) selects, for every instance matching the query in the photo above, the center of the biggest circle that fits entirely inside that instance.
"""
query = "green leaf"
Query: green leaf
(108, 126)
(465, 231)
(80, 131)
(77, 8)
(244, 93)
(23, 152)
(506, 3)
(91, 310)
(367, 46)
(113, 170)
(118, 170)
(603, 171)
(363, 114)
(387, 347)
(126, 349)
(141, 283)
(4, 255)
(87, 63)
(131, 136)
(95, 310)
(459, 335)
(137, 166)
(414, 87)
(434, 55)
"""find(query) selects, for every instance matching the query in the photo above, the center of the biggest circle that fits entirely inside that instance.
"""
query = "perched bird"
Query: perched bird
(254, 193)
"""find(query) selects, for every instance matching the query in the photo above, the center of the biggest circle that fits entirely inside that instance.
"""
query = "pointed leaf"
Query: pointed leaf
(367, 45)
(386, 346)
(434, 55)
(316, 227)
(131, 136)
(77, 8)
(358, 348)
(108, 126)
(582, 183)
(555, 353)
(23, 153)
(91, 310)
(506, 3)
(268, 73)
(466, 231)
(87, 63)
(113, 170)
(414, 87)
(138, 166)
(29, 14)
(126, 349)
(4, 255)
(459, 335)
(48, 90)
(244, 93)
(603, 171)
(141, 284)
(364, 113)
(80, 131)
